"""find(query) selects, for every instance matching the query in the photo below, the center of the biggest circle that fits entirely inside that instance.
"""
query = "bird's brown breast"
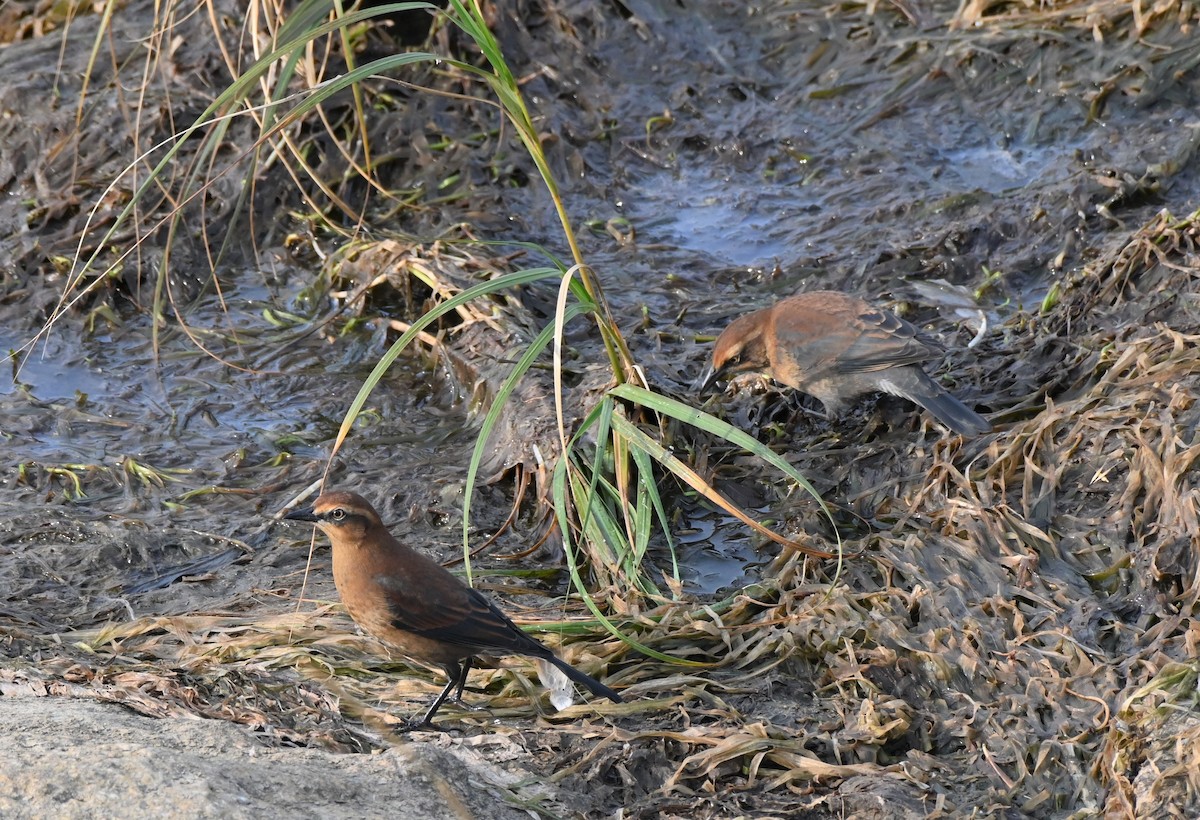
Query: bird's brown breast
(375, 582)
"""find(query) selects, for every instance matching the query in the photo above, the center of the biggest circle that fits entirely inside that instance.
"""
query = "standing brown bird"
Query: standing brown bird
(836, 347)
(416, 605)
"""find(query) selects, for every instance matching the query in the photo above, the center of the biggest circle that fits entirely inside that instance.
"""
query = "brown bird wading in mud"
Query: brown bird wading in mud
(835, 347)
(413, 603)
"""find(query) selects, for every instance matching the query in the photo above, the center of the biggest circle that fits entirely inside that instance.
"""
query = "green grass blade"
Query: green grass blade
(500, 283)
(559, 488)
(690, 477)
(235, 93)
(650, 487)
(709, 423)
(492, 417)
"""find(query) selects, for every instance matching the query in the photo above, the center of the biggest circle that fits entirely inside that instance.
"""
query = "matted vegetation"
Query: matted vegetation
(1012, 629)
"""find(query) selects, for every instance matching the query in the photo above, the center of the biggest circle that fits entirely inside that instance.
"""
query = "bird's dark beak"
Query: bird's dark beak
(302, 514)
(711, 377)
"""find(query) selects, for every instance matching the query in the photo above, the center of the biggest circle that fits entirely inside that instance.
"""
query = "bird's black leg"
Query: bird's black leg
(462, 682)
(456, 677)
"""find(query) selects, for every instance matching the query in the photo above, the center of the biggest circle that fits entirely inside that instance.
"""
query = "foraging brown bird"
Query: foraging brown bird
(835, 347)
(415, 604)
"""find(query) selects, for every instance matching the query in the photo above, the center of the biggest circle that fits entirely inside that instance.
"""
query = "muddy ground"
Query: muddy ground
(1015, 635)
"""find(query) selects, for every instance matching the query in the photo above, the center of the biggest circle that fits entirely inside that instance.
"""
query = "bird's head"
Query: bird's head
(739, 349)
(343, 516)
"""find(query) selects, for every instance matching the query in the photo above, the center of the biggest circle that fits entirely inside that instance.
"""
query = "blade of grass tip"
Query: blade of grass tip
(593, 514)
(602, 417)
(532, 247)
(642, 513)
(620, 474)
(560, 311)
(693, 479)
(470, 19)
(501, 79)
(508, 280)
(604, 529)
(339, 84)
(280, 127)
(313, 16)
(492, 417)
(559, 492)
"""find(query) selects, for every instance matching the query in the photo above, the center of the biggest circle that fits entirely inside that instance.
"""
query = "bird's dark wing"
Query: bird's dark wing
(818, 338)
(456, 615)
(884, 340)
(460, 616)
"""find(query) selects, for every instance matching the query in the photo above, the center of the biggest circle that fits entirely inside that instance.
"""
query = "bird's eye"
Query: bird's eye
(337, 514)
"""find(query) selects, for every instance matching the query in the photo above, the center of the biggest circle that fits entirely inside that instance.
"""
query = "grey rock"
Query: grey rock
(68, 758)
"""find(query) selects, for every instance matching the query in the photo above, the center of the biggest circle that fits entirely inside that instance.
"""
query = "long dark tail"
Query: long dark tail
(596, 687)
(951, 412)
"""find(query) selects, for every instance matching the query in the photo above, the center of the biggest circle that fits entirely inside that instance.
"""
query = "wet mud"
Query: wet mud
(1012, 631)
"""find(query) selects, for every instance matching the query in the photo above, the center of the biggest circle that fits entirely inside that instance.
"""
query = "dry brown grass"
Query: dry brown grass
(1021, 621)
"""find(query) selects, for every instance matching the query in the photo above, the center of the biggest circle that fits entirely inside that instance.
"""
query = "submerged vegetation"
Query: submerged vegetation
(1009, 624)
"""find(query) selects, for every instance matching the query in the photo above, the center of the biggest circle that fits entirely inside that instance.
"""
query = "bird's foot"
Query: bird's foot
(467, 707)
(418, 725)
